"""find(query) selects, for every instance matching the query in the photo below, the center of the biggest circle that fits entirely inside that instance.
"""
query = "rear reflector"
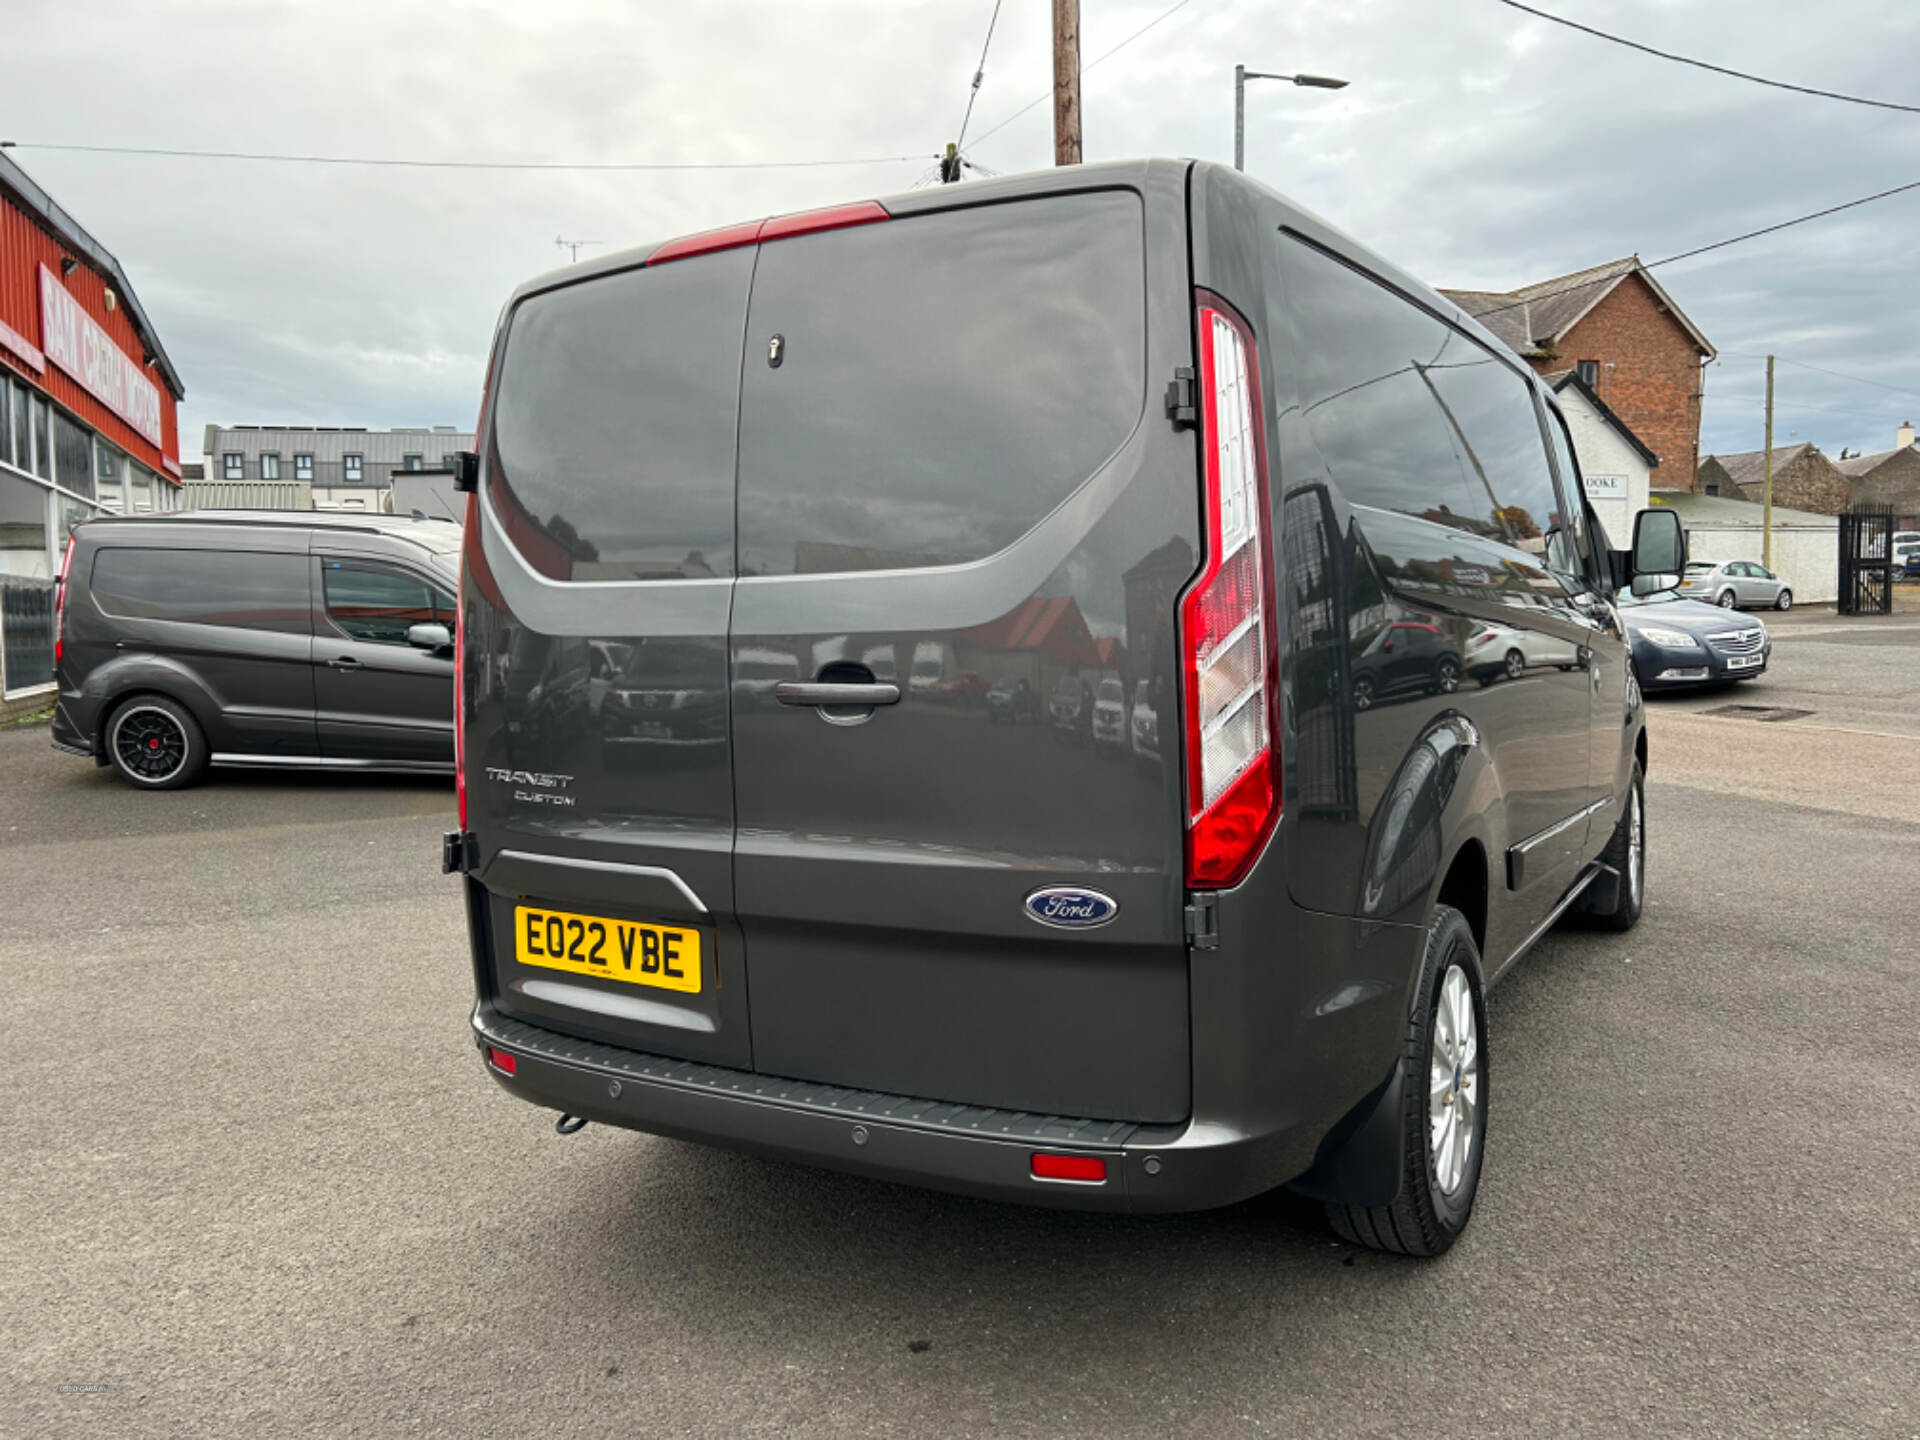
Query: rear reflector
(1088, 1169)
(500, 1060)
(753, 232)
(1226, 619)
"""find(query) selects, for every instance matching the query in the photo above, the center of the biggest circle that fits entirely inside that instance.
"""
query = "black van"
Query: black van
(257, 638)
(1147, 420)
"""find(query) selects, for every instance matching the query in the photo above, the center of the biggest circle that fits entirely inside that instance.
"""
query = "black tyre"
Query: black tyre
(1626, 853)
(1446, 675)
(1726, 600)
(1443, 1105)
(1784, 600)
(1516, 664)
(155, 743)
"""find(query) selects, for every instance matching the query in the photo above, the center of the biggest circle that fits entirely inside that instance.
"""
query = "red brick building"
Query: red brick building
(87, 414)
(1624, 336)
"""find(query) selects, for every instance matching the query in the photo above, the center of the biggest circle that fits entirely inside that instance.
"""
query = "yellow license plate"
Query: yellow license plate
(661, 955)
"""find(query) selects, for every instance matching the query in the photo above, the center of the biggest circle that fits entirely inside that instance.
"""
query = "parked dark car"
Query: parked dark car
(841, 933)
(1013, 701)
(1679, 643)
(257, 638)
(1406, 657)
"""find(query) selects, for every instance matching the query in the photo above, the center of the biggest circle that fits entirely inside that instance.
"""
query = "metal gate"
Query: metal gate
(1866, 561)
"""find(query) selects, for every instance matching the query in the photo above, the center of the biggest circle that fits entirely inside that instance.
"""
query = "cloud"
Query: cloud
(1475, 147)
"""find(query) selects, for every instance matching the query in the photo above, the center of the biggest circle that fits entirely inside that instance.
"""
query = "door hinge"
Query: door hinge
(464, 466)
(459, 852)
(1203, 922)
(1181, 402)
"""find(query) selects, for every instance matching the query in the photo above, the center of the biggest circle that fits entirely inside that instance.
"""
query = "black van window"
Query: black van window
(1411, 415)
(613, 437)
(1570, 489)
(243, 588)
(943, 381)
(369, 602)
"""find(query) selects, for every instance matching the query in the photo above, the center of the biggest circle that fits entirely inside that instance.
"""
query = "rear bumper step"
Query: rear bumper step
(963, 1148)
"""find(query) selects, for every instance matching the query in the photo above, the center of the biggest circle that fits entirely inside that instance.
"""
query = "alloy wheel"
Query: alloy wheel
(1447, 677)
(1636, 847)
(1453, 1103)
(1516, 664)
(1726, 599)
(149, 744)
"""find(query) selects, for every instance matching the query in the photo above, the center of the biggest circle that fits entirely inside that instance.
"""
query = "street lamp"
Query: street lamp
(1240, 77)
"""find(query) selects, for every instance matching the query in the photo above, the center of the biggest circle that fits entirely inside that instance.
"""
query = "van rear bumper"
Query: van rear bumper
(965, 1149)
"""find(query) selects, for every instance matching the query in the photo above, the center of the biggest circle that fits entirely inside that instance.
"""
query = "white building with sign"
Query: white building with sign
(1615, 466)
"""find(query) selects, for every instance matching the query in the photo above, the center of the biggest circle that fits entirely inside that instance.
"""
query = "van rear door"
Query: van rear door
(598, 770)
(948, 468)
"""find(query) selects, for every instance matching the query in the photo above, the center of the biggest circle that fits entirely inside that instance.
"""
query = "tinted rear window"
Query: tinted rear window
(613, 436)
(944, 381)
(242, 588)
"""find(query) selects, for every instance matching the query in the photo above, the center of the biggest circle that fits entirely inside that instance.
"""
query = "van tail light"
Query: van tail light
(460, 672)
(1226, 619)
(60, 605)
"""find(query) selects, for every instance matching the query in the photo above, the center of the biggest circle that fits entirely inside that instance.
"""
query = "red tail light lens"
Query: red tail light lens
(460, 665)
(1087, 1169)
(60, 604)
(1226, 619)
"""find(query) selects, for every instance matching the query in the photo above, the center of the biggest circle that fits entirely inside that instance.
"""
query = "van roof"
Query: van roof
(431, 533)
(1110, 174)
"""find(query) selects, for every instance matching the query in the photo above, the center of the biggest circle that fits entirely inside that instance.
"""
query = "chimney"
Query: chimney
(1904, 440)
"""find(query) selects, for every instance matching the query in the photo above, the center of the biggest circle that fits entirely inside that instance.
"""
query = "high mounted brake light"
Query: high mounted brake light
(1226, 618)
(780, 227)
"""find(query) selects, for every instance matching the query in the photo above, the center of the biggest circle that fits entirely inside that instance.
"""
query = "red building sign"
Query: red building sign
(70, 339)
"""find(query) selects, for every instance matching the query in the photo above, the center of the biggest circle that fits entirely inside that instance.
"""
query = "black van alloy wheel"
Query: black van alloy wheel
(1443, 1105)
(155, 743)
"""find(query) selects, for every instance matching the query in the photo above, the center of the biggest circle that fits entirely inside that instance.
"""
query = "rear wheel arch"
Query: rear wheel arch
(1464, 887)
(196, 703)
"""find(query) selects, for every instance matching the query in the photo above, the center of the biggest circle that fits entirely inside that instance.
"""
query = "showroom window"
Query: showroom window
(110, 472)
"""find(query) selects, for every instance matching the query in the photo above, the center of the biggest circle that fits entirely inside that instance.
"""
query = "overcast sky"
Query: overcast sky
(1478, 147)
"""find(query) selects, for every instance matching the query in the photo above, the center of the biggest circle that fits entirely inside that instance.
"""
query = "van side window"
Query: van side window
(612, 452)
(1412, 417)
(370, 602)
(247, 589)
(944, 381)
(1574, 564)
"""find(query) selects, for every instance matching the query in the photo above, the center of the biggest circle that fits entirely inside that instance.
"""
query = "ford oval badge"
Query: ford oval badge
(1068, 907)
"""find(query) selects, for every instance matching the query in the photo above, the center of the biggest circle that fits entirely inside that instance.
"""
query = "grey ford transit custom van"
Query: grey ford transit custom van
(1143, 423)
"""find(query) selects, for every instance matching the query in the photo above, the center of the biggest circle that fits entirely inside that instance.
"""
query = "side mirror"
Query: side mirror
(436, 638)
(1659, 552)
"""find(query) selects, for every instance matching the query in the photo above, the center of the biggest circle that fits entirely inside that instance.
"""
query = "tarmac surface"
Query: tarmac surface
(258, 1184)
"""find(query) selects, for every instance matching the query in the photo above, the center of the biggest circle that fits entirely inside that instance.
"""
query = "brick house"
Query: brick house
(1891, 478)
(1803, 479)
(1623, 335)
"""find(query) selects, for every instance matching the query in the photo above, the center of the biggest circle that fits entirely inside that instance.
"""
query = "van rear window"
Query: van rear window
(612, 451)
(242, 588)
(943, 381)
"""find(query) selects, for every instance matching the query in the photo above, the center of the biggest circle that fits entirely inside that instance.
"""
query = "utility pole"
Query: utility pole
(1066, 82)
(950, 164)
(1766, 516)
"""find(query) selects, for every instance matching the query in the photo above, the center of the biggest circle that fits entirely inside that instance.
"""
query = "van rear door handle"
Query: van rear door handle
(344, 662)
(824, 692)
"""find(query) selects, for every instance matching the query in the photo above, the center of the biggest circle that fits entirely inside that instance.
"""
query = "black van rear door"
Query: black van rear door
(949, 481)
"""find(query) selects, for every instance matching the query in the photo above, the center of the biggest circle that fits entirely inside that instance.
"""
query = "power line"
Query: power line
(1821, 370)
(1106, 54)
(1701, 249)
(1704, 65)
(979, 74)
(455, 164)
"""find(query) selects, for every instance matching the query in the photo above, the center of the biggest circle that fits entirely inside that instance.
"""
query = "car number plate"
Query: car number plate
(1743, 662)
(665, 956)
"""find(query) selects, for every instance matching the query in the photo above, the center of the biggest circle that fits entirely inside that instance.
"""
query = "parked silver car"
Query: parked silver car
(1735, 584)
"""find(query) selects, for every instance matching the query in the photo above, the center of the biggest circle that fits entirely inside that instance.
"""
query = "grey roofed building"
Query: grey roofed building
(1803, 478)
(1535, 318)
(1890, 478)
(239, 453)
